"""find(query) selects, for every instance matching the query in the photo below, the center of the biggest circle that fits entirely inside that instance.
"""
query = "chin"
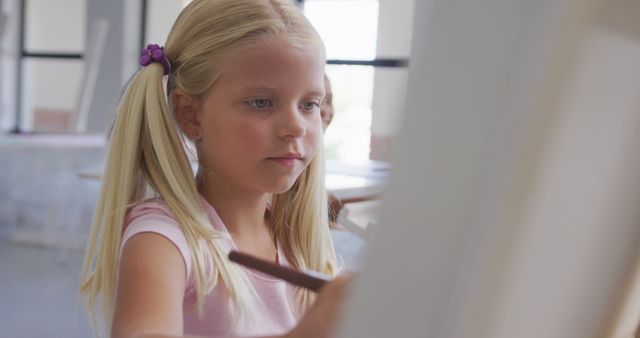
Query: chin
(279, 187)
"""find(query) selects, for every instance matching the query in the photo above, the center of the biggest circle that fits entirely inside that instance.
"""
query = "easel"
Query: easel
(512, 209)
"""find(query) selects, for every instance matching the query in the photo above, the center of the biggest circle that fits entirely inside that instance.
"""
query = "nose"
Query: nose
(291, 123)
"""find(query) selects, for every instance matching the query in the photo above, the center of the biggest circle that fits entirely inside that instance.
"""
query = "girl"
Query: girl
(244, 80)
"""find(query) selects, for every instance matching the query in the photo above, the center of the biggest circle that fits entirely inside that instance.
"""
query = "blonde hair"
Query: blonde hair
(146, 154)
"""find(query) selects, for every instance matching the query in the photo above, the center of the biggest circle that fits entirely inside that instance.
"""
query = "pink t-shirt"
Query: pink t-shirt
(276, 315)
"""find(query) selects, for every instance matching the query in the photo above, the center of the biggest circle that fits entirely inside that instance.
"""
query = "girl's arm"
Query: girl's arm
(151, 284)
(321, 320)
(150, 290)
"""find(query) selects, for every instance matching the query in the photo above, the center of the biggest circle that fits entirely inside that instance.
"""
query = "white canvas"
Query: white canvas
(513, 208)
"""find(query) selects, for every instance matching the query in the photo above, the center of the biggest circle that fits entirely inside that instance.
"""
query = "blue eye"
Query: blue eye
(310, 106)
(260, 103)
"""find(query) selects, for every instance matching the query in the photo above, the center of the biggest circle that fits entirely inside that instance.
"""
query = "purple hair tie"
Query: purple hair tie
(154, 53)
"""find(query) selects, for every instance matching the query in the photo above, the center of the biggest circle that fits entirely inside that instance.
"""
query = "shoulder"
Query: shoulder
(155, 216)
(150, 207)
(151, 286)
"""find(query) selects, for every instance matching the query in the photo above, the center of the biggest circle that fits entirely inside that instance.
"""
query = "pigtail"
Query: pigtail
(304, 207)
(122, 185)
(147, 151)
(166, 165)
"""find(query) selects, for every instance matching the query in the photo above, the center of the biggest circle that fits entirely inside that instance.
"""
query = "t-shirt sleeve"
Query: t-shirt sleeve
(156, 217)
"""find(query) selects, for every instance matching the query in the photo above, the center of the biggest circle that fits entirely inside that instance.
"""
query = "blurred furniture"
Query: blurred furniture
(355, 193)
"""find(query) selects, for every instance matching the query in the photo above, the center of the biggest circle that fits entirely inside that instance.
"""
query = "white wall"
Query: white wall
(131, 40)
(160, 17)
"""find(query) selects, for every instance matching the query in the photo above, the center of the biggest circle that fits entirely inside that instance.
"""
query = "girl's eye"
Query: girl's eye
(260, 103)
(310, 106)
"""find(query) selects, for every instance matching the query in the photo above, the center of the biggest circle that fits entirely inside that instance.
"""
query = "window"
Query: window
(367, 43)
(50, 64)
(349, 31)
(348, 28)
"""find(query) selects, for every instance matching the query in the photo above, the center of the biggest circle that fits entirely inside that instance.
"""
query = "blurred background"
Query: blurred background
(63, 65)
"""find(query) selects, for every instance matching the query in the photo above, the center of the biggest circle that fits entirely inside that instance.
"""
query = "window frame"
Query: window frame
(25, 54)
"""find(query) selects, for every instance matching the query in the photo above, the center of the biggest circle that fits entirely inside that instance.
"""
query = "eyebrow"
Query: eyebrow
(273, 89)
(265, 88)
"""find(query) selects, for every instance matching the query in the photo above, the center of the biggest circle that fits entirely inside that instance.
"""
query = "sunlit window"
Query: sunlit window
(349, 32)
(347, 27)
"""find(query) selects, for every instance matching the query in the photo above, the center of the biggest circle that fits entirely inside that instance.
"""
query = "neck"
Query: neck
(241, 210)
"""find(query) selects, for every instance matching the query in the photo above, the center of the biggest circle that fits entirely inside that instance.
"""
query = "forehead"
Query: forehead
(275, 63)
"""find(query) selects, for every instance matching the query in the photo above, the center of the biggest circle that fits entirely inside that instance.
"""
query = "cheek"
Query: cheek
(256, 128)
(232, 130)
(314, 138)
(247, 137)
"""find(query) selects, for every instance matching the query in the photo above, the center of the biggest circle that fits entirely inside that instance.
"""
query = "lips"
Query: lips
(287, 160)
(289, 156)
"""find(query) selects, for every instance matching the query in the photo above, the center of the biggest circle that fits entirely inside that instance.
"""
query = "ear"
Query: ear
(187, 110)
